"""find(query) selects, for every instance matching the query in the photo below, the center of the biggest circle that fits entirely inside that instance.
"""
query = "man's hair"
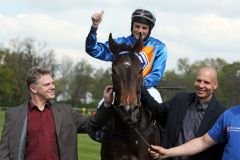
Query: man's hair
(34, 74)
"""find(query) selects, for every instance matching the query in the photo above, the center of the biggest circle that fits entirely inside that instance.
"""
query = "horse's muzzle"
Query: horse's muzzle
(131, 114)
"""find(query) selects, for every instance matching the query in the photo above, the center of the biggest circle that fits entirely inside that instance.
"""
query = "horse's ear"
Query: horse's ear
(112, 44)
(139, 45)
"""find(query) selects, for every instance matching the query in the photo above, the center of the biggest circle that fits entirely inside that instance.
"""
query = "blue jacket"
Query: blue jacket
(153, 55)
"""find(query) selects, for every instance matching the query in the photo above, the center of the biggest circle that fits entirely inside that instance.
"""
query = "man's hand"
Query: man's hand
(108, 96)
(157, 151)
(97, 19)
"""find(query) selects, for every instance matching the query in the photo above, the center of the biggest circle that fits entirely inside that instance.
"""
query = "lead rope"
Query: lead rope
(144, 140)
(141, 136)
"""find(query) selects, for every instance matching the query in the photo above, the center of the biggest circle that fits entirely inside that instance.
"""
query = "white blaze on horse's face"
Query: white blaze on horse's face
(140, 27)
(127, 64)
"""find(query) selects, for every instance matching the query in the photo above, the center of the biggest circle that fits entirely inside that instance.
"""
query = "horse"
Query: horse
(131, 129)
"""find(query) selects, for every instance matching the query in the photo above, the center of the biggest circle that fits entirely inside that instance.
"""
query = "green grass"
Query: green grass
(87, 148)
(1, 120)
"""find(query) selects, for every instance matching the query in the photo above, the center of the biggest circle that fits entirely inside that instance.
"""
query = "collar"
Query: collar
(199, 105)
(31, 106)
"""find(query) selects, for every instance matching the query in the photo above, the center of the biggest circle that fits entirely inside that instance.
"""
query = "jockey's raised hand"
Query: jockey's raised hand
(97, 19)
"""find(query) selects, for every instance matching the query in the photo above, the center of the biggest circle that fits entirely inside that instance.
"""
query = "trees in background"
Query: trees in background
(15, 63)
(183, 77)
(230, 84)
(74, 80)
(9, 86)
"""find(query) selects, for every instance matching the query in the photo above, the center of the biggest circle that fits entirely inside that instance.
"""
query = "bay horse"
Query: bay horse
(130, 130)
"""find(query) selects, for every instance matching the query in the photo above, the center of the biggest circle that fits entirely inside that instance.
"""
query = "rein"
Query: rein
(141, 136)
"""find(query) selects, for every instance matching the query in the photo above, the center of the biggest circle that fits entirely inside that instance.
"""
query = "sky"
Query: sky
(194, 29)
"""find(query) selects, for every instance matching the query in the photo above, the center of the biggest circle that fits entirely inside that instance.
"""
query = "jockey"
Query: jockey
(153, 55)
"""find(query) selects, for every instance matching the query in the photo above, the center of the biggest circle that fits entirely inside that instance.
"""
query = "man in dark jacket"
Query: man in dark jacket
(189, 115)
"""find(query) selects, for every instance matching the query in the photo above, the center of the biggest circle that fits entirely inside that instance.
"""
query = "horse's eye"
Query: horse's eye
(140, 72)
(113, 72)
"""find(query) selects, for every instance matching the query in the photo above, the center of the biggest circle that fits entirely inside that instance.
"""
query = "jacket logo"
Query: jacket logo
(233, 129)
(143, 59)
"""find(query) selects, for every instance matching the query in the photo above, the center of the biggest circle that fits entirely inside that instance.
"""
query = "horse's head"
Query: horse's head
(127, 78)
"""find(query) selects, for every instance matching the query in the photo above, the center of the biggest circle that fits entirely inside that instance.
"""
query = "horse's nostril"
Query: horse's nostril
(135, 107)
(121, 106)
(127, 120)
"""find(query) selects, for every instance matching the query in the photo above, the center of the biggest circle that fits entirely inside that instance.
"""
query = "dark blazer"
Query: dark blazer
(170, 115)
(68, 123)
